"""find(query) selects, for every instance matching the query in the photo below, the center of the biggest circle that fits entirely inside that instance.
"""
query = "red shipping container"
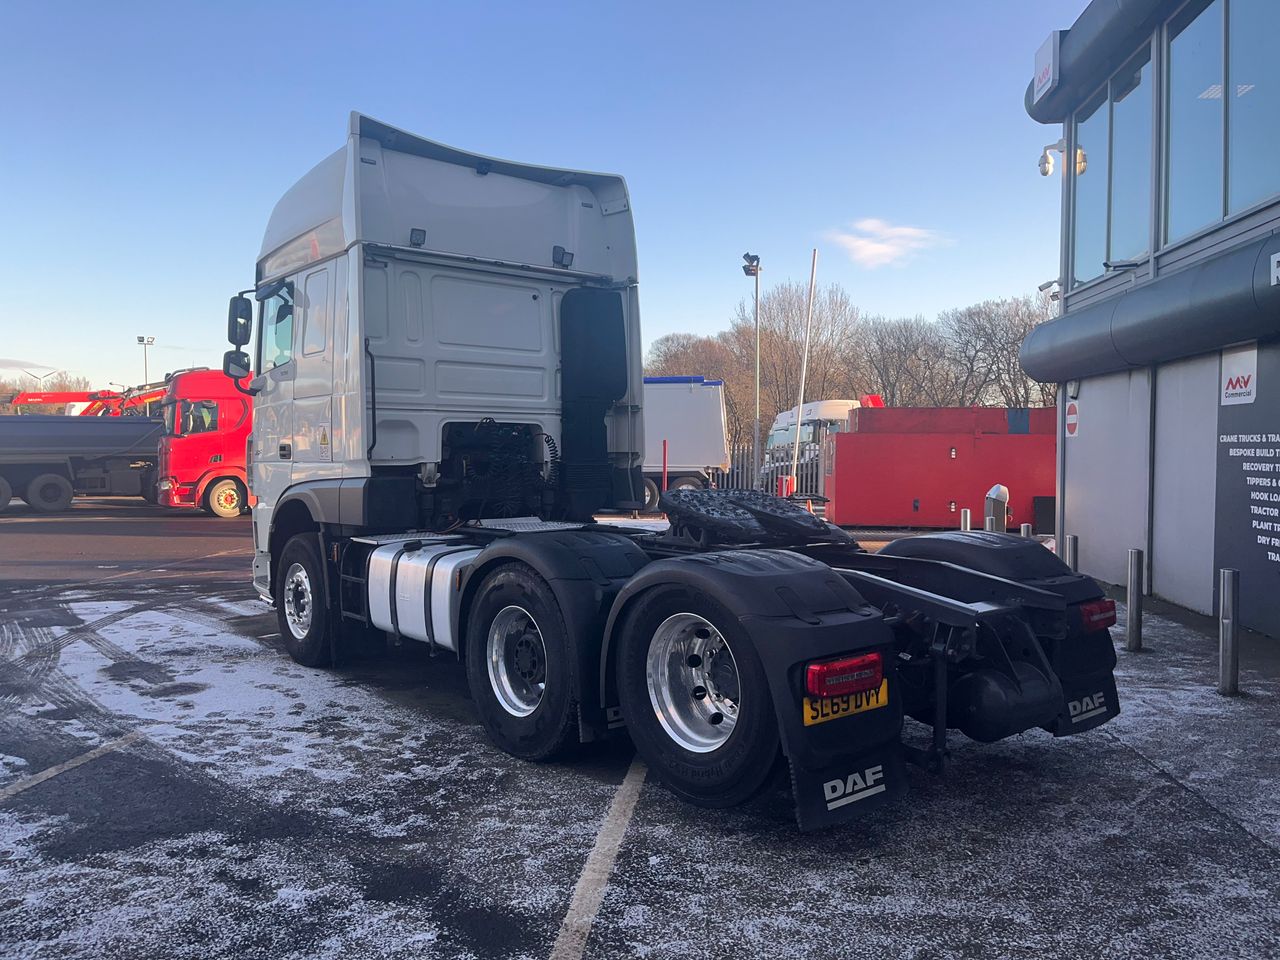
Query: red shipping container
(920, 466)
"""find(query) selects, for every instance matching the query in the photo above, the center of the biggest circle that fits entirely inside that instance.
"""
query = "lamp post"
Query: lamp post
(145, 342)
(752, 268)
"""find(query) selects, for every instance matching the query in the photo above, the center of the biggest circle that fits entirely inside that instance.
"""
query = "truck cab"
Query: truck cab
(207, 422)
(441, 337)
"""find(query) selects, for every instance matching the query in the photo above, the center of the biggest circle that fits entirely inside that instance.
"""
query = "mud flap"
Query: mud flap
(848, 789)
(1088, 702)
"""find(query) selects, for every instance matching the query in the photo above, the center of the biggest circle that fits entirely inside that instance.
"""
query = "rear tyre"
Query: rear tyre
(695, 698)
(225, 499)
(650, 496)
(6, 493)
(519, 664)
(302, 602)
(687, 483)
(49, 493)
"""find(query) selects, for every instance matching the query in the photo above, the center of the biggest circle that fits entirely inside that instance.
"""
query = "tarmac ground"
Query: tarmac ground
(173, 785)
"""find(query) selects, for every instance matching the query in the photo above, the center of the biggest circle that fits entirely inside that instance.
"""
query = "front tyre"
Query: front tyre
(695, 698)
(302, 602)
(519, 666)
(225, 499)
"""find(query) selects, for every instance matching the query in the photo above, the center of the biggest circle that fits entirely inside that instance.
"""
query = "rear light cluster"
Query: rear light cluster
(838, 678)
(1098, 615)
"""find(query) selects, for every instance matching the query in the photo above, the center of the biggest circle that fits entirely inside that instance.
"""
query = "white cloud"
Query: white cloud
(876, 243)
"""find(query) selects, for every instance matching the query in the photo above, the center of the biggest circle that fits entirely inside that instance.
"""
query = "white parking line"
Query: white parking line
(16, 788)
(587, 895)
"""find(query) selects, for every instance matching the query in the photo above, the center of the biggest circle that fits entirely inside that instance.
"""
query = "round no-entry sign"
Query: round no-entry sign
(1072, 419)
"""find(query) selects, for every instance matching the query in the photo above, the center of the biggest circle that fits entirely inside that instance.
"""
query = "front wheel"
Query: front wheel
(226, 499)
(518, 664)
(695, 698)
(302, 602)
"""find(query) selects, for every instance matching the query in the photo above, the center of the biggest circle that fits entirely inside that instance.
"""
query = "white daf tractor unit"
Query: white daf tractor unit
(448, 389)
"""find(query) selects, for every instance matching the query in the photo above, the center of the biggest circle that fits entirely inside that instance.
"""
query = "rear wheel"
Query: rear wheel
(225, 498)
(49, 493)
(518, 664)
(302, 602)
(6, 493)
(695, 698)
(650, 496)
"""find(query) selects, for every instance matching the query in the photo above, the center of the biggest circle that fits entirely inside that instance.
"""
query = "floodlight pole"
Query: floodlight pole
(755, 429)
(804, 370)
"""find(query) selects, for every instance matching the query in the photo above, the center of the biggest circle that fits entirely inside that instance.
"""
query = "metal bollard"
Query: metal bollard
(1228, 632)
(1071, 552)
(1026, 530)
(966, 523)
(989, 524)
(1133, 600)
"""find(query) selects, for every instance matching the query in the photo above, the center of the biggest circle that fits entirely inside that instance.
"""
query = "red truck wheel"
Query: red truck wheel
(226, 499)
(6, 493)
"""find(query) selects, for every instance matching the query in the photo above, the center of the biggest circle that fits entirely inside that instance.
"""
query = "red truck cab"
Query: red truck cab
(207, 424)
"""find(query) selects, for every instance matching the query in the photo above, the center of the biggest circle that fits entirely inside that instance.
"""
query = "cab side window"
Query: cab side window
(315, 312)
(277, 329)
(200, 417)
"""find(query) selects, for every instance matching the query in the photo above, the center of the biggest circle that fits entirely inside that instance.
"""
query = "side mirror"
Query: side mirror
(239, 321)
(235, 364)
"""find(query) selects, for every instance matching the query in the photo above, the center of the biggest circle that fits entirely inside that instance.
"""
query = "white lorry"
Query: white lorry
(688, 413)
(448, 356)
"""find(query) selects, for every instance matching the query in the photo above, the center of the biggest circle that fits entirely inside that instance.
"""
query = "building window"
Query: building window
(1089, 218)
(1254, 103)
(1131, 161)
(1194, 167)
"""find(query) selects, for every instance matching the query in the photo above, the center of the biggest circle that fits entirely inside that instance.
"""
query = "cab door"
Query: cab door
(273, 408)
(313, 382)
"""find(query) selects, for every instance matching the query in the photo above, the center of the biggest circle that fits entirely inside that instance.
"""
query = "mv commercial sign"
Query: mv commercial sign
(1046, 75)
(1247, 528)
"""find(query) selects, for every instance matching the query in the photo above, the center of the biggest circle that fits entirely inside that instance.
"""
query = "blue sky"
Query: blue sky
(143, 146)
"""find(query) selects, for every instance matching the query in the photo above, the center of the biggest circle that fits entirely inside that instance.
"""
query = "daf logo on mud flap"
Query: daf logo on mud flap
(857, 786)
(1087, 707)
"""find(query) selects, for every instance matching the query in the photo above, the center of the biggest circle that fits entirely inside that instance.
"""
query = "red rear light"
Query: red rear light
(1098, 615)
(837, 678)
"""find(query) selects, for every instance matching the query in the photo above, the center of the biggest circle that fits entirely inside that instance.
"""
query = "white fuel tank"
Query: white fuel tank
(415, 585)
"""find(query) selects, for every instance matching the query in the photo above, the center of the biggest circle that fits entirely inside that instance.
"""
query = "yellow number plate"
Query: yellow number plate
(833, 708)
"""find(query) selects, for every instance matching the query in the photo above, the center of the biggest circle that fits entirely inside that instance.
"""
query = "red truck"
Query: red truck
(202, 452)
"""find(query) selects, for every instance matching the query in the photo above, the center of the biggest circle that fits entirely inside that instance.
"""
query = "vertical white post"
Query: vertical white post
(966, 519)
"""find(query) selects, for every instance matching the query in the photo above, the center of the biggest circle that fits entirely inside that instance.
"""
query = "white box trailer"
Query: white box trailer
(688, 413)
(449, 384)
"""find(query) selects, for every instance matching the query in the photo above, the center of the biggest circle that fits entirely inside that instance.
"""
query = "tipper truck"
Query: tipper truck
(449, 387)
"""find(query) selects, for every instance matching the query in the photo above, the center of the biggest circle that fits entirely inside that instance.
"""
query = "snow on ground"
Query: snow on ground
(278, 812)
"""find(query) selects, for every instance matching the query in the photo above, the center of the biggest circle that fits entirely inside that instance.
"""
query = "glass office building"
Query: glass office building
(1167, 348)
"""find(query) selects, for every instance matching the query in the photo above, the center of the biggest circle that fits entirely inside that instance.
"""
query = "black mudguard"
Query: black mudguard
(585, 570)
(794, 610)
(1083, 661)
